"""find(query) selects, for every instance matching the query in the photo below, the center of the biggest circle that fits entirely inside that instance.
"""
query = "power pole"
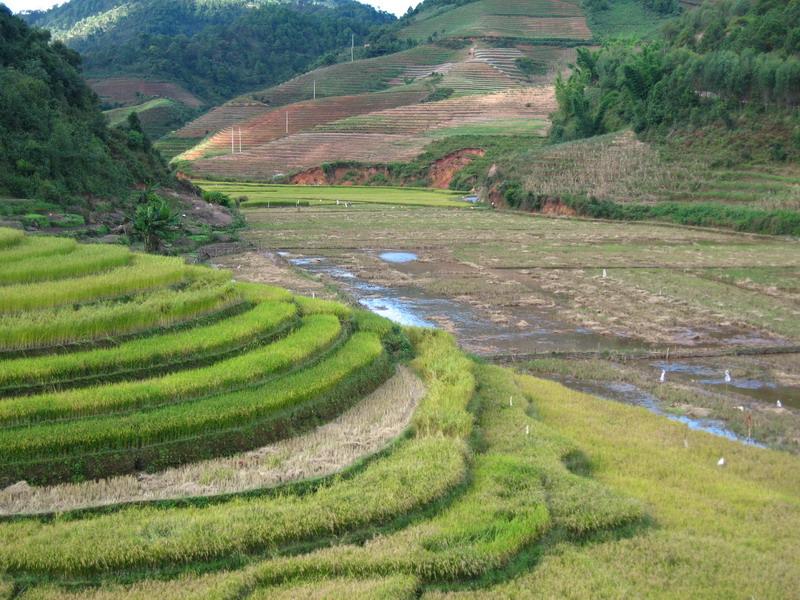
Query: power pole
(233, 146)
(315, 89)
(287, 123)
(240, 140)
(353, 48)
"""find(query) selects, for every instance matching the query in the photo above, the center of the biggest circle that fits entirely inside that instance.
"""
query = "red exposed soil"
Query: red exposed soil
(339, 176)
(443, 170)
(555, 207)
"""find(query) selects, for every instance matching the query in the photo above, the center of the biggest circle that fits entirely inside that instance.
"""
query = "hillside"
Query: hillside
(62, 167)
(432, 474)
(176, 41)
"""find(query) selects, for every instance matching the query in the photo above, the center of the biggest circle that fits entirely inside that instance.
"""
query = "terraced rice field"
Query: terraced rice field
(186, 462)
(307, 150)
(531, 103)
(390, 135)
(524, 19)
(130, 91)
(297, 118)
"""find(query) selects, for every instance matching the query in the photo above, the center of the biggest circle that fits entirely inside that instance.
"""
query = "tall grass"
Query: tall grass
(316, 333)
(315, 306)
(47, 328)
(10, 237)
(147, 273)
(83, 261)
(172, 422)
(32, 247)
(159, 350)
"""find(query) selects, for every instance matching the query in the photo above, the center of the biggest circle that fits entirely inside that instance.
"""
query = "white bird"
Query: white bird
(605, 274)
(780, 404)
(740, 408)
(511, 401)
(727, 376)
(527, 429)
(721, 462)
(663, 376)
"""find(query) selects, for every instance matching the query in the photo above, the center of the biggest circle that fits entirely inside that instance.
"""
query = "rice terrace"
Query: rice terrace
(483, 299)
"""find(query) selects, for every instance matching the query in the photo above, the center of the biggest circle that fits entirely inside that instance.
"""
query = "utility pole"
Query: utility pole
(287, 123)
(353, 48)
(315, 89)
(240, 140)
(233, 143)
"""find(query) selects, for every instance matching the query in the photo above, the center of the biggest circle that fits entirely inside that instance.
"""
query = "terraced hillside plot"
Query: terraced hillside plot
(538, 19)
(531, 103)
(343, 79)
(306, 150)
(131, 91)
(297, 118)
(158, 116)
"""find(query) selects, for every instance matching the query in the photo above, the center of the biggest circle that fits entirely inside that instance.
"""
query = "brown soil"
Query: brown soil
(338, 176)
(443, 170)
(557, 208)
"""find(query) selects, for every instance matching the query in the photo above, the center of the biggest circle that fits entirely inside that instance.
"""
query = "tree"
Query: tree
(154, 220)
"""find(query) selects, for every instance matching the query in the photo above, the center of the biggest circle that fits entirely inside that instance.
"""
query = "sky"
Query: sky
(397, 7)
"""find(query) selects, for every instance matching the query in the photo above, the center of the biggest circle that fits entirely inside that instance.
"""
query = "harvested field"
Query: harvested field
(131, 91)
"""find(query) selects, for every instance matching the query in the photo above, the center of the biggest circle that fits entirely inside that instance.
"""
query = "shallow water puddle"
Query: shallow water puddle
(398, 257)
(699, 374)
(631, 394)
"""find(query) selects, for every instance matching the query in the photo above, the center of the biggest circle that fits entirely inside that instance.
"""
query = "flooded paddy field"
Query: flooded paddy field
(640, 298)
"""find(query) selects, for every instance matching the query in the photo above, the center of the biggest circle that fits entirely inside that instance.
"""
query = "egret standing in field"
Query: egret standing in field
(727, 376)
(721, 462)
(605, 274)
(779, 404)
(663, 377)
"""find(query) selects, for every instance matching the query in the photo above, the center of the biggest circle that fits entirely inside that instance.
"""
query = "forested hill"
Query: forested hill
(54, 141)
(722, 63)
(215, 48)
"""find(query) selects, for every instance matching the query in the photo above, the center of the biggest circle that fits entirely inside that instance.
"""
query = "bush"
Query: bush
(219, 198)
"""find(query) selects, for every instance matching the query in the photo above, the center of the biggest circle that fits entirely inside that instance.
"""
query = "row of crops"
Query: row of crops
(461, 494)
(112, 362)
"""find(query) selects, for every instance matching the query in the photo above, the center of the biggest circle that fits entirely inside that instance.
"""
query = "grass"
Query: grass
(10, 237)
(32, 247)
(148, 352)
(83, 261)
(262, 195)
(315, 334)
(626, 18)
(51, 327)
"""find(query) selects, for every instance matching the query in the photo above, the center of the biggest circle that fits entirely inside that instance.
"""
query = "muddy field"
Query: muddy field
(516, 288)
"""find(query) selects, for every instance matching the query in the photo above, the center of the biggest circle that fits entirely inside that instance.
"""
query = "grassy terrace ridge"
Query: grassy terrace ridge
(84, 261)
(261, 195)
(315, 333)
(133, 357)
(46, 329)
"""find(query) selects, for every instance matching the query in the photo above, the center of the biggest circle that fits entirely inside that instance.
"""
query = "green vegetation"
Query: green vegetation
(261, 195)
(641, 19)
(54, 143)
(177, 41)
(157, 117)
(51, 327)
(133, 357)
(146, 273)
(84, 261)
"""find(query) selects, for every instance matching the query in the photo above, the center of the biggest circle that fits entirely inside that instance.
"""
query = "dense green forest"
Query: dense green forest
(54, 141)
(215, 49)
(712, 64)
